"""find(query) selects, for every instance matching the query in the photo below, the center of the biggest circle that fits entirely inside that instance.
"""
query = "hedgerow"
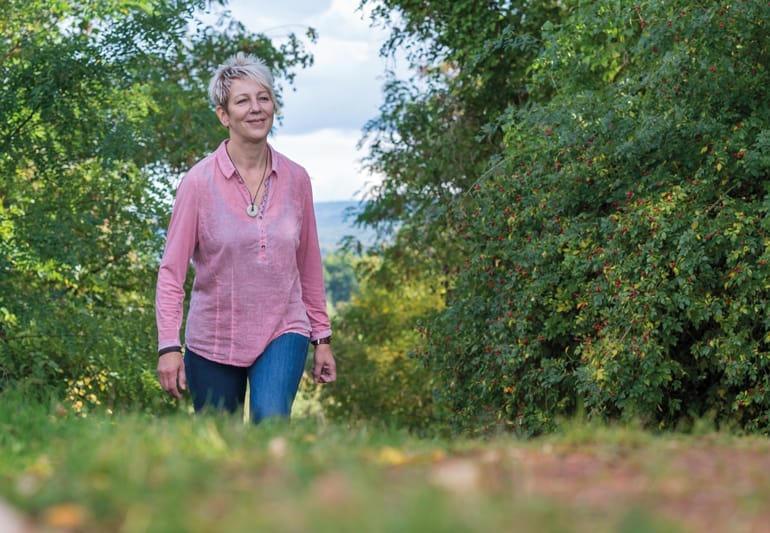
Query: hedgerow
(619, 247)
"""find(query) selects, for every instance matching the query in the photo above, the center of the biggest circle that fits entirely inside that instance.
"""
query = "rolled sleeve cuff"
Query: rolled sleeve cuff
(321, 334)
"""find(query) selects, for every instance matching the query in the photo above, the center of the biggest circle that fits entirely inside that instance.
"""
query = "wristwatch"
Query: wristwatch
(325, 340)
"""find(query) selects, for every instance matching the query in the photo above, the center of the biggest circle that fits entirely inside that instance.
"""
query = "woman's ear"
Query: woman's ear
(224, 118)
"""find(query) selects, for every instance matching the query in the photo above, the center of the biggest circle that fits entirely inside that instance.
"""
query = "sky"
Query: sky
(324, 115)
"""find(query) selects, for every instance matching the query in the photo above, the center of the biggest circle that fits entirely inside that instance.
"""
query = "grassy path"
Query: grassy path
(137, 473)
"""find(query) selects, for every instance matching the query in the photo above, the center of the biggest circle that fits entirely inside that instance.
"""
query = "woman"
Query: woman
(244, 216)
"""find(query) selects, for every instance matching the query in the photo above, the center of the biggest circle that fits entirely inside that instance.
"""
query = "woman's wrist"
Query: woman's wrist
(324, 340)
(169, 349)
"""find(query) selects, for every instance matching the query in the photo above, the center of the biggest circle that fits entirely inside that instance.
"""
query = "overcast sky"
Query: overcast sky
(323, 118)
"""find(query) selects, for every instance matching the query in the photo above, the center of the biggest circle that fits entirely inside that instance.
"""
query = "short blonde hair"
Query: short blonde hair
(239, 66)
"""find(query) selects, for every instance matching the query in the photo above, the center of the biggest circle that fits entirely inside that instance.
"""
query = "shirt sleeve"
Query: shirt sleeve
(181, 240)
(311, 270)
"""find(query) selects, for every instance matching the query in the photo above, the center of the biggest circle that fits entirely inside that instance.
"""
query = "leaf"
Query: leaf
(391, 456)
(66, 516)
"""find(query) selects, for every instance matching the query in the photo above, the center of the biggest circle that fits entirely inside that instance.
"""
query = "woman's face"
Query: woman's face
(249, 112)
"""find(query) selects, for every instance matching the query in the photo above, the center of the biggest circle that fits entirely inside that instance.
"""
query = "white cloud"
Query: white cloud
(343, 88)
(330, 158)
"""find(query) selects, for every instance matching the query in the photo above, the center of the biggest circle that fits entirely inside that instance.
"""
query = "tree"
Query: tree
(102, 105)
(618, 254)
(434, 136)
(378, 349)
(436, 133)
(340, 277)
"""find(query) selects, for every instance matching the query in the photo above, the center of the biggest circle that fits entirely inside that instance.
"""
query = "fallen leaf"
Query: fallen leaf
(65, 516)
(391, 456)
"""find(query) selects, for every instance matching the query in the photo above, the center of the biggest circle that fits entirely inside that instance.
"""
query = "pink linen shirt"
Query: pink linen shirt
(255, 278)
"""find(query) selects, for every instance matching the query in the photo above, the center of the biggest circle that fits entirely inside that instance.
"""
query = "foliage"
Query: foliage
(377, 345)
(619, 248)
(339, 278)
(93, 98)
(436, 131)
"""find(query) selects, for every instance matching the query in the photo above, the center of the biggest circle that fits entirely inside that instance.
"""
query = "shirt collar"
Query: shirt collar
(226, 164)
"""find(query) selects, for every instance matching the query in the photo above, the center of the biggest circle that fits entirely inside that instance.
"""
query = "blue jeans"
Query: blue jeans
(273, 379)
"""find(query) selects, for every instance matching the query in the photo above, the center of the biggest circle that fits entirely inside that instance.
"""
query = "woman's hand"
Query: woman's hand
(325, 368)
(171, 373)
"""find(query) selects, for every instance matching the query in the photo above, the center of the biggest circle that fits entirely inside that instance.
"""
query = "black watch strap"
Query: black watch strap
(169, 349)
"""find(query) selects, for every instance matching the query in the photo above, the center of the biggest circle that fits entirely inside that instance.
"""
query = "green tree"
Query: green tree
(619, 251)
(340, 277)
(435, 133)
(102, 105)
(377, 345)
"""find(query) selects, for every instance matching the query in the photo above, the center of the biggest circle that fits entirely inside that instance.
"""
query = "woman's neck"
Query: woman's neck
(248, 156)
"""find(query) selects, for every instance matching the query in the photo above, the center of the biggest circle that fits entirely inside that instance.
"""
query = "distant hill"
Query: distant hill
(334, 224)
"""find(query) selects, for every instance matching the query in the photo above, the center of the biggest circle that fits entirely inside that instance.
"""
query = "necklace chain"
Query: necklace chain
(251, 210)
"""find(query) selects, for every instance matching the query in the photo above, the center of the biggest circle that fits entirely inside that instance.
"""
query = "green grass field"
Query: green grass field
(143, 473)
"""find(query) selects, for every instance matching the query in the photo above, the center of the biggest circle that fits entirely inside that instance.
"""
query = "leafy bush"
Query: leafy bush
(379, 377)
(620, 246)
(339, 277)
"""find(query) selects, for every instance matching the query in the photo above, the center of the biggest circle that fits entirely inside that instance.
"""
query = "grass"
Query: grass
(142, 473)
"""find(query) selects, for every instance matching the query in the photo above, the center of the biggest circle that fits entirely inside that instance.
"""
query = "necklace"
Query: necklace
(252, 209)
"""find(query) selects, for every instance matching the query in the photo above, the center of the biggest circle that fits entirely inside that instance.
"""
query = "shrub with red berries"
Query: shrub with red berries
(618, 262)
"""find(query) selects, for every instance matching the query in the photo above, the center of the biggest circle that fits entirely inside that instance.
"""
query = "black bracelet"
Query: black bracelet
(169, 349)
(325, 340)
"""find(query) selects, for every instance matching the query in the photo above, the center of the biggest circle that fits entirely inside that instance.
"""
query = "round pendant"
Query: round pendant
(252, 210)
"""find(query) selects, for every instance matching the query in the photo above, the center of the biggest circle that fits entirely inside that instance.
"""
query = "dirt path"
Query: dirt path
(710, 487)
